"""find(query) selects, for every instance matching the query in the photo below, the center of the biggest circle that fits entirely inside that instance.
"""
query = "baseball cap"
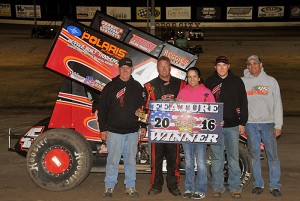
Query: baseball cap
(221, 59)
(253, 58)
(125, 61)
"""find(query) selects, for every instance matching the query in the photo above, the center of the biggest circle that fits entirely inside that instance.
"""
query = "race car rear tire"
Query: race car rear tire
(59, 160)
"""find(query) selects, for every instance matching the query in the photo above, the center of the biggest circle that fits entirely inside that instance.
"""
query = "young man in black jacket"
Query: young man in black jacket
(119, 126)
(230, 90)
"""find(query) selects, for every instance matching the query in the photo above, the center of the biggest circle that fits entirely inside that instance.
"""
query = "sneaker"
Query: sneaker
(236, 194)
(108, 192)
(154, 191)
(175, 191)
(276, 192)
(198, 196)
(131, 192)
(217, 193)
(187, 194)
(257, 190)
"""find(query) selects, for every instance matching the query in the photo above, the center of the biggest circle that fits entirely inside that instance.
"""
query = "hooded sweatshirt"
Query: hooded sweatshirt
(264, 100)
(117, 105)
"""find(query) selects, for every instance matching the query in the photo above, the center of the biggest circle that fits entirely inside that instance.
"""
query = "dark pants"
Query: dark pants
(171, 153)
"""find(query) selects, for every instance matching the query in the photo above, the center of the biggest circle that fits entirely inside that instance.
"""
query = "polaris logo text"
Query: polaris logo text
(104, 45)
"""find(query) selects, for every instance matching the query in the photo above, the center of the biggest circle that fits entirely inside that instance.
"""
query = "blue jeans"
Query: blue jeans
(118, 145)
(192, 151)
(265, 132)
(231, 142)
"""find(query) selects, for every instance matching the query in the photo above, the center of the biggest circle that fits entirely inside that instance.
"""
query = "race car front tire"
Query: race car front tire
(59, 159)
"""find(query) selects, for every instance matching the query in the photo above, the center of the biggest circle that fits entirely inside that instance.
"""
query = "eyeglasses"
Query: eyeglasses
(250, 64)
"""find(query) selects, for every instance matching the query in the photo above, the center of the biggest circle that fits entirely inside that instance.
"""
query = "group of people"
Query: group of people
(252, 104)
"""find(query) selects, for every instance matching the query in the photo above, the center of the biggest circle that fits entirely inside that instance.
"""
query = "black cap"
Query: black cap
(125, 61)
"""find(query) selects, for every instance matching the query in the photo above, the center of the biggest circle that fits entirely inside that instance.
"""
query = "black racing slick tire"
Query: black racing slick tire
(244, 162)
(59, 160)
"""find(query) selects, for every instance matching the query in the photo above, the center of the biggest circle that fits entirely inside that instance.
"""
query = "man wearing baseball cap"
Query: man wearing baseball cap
(119, 126)
(229, 89)
(264, 123)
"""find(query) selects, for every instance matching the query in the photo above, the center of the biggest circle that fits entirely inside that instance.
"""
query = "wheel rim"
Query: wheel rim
(57, 160)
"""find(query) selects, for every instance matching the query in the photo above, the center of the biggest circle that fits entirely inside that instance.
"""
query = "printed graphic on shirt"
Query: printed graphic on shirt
(216, 91)
(121, 95)
(258, 90)
(205, 97)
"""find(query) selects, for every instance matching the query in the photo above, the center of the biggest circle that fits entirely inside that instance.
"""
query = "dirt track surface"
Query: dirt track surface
(16, 185)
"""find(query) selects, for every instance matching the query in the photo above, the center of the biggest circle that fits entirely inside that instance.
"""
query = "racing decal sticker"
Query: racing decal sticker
(142, 43)
(111, 29)
(30, 136)
(75, 31)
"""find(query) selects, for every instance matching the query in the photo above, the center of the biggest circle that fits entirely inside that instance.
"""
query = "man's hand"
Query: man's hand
(138, 112)
(104, 135)
(277, 132)
(241, 129)
(143, 132)
(222, 123)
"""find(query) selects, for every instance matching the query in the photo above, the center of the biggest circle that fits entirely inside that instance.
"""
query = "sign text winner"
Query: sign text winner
(177, 122)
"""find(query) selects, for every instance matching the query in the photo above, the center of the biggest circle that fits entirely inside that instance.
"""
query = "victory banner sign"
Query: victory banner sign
(185, 122)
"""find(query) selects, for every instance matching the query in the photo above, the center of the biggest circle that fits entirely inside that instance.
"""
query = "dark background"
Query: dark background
(55, 10)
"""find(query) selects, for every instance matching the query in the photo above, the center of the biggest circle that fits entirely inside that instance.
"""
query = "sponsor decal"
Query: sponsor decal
(75, 31)
(142, 43)
(295, 12)
(111, 29)
(30, 136)
(142, 13)
(122, 13)
(209, 11)
(84, 75)
(270, 11)
(174, 122)
(178, 13)
(174, 58)
(105, 46)
(27, 11)
(238, 11)
(5, 10)
(86, 12)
